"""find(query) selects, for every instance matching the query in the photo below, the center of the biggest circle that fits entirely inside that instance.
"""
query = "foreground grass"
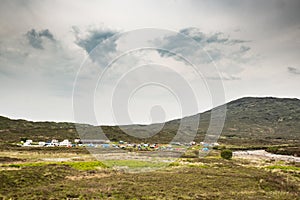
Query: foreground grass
(92, 165)
(284, 167)
(85, 165)
(208, 178)
(134, 163)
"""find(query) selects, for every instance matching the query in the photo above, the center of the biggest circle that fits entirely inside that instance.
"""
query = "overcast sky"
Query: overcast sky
(254, 45)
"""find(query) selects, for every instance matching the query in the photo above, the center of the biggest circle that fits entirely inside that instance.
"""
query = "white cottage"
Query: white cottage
(66, 143)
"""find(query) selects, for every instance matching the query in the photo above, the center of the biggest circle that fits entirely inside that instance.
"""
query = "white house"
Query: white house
(66, 143)
(77, 140)
(55, 142)
(27, 143)
(42, 144)
(216, 144)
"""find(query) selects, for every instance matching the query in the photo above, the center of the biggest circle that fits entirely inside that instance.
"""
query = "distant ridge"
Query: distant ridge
(248, 120)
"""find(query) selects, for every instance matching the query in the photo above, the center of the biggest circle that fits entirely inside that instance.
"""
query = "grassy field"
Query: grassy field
(73, 175)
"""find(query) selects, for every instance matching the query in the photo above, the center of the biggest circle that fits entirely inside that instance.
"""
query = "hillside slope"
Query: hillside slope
(263, 119)
(248, 120)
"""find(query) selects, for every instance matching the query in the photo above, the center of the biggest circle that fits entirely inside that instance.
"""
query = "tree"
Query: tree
(226, 154)
(23, 139)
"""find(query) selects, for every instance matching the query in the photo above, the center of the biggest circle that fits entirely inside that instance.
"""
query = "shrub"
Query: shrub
(191, 154)
(219, 147)
(272, 149)
(23, 139)
(226, 154)
(174, 164)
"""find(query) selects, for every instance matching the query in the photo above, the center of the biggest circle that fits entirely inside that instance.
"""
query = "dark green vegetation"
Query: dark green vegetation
(208, 178)
(226, 154)
(263, 120)
(249, 121)
(285, 150)
(16, 130)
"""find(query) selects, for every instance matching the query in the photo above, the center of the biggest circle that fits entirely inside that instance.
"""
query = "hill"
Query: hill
(262, 120)
(249, 120)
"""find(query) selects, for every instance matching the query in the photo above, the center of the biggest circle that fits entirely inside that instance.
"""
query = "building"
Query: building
(65, 143)
(27, 143)
(42, 144)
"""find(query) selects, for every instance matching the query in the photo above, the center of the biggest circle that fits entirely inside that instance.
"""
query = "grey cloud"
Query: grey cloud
(230, 53)
(216, 38)
(237, 41)
(225, 78)
(205, 39)
(93, 38)
(46, 33)
(215, 44)
(244, 48)
(194, 33)
(294, 70)
(177, 43)
(105, 38)
(35, 38)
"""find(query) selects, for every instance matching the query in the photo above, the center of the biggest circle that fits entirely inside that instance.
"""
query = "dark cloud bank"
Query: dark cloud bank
(294, 70)
(35, 38)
